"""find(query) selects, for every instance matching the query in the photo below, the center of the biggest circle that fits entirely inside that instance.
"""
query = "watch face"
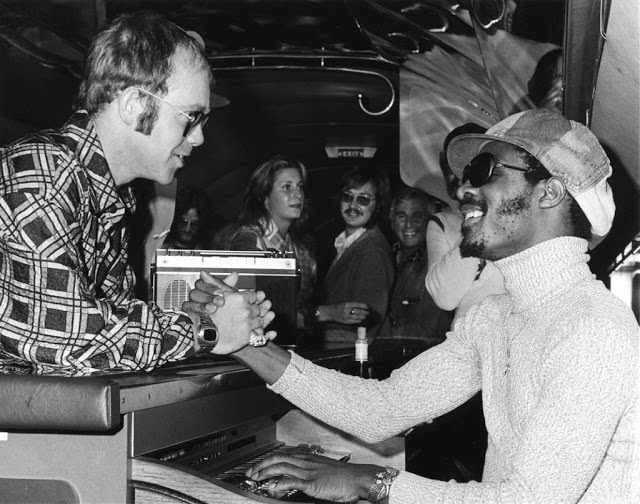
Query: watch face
(209, 334)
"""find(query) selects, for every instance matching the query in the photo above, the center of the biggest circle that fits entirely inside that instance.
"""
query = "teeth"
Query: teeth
(473, 214)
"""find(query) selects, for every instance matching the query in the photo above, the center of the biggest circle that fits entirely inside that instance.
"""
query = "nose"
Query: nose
(196, 137)
(465, 188)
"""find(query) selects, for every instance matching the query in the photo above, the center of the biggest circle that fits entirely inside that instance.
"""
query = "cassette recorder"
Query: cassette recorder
(175, 272)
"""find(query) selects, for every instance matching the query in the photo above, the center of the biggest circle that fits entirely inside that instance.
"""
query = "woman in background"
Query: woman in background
(273, 212)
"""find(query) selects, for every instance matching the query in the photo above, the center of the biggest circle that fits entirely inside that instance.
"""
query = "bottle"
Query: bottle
(362, 350)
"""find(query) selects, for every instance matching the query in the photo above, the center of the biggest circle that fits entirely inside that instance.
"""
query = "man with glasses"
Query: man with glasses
(66, 296)
(556, 356)
(357, 285)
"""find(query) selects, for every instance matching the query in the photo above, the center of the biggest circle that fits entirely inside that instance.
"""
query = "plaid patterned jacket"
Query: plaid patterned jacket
(66, 302)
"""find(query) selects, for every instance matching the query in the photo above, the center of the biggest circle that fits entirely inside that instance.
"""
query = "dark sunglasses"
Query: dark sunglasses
(196, 117)
(480, 169)
(361, 199)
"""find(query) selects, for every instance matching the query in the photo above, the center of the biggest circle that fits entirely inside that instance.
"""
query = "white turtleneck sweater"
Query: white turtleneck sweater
(556, 358)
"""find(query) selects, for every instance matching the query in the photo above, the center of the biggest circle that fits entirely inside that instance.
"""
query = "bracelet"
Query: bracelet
(379, 491)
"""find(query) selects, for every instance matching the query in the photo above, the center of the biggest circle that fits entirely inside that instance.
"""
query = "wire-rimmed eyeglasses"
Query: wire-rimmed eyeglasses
(196, 118)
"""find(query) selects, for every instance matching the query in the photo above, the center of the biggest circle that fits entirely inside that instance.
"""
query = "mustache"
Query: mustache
(470, 200)
(353, 211)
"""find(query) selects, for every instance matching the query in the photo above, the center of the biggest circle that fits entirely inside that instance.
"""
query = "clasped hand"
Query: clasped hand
(234, 313)
(317, 476)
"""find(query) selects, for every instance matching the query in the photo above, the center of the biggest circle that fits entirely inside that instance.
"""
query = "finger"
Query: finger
(260, 296)
(200, 296)
(203, 286)
(267, 318)
(265, 307)
(194, 307)
(218, 302)
(256, 324)
(287, 483)
(250, 296)
(217, 283)
(279, 469)
(232, 279)
(271, 335)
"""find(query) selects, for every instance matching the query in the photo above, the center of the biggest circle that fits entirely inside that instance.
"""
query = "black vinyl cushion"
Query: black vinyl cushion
(29, 402)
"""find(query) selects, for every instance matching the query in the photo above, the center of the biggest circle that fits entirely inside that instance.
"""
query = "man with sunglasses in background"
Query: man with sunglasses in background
(66, 296)
(357, 286)
(556, 356)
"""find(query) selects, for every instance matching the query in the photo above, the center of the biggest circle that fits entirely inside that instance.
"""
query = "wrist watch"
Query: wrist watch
(379, 491)
(207, 336)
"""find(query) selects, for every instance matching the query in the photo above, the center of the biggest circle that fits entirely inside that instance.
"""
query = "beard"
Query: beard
(475, 244)
(470, 247)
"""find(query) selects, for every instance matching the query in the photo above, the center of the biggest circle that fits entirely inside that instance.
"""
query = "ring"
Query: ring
(257, 340)
(351, 312)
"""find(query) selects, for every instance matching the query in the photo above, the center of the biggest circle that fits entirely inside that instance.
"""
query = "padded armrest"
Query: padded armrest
(29, 402)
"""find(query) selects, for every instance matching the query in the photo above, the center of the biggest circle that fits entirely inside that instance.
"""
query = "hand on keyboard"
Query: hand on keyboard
(315, 475)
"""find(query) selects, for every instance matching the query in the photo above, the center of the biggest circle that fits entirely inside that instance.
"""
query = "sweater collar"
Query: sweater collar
(540, 272)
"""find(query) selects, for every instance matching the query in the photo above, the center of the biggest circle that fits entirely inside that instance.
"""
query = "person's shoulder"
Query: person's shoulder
(376, 238)
(591, 316)
(243, 237)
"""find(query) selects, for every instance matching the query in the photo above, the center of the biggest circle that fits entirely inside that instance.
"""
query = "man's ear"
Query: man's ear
(130, 106)
(554, 192)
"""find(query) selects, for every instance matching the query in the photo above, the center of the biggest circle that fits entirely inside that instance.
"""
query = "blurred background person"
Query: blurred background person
(355, 291)
(190, 222)
(456, 283)
(545, 88)
(414, 313)
(273, 213)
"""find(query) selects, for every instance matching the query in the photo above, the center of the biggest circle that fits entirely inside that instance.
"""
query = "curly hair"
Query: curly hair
(136, 50)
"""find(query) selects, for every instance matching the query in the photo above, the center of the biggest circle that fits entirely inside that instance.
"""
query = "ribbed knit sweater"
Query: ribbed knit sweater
(556, 358)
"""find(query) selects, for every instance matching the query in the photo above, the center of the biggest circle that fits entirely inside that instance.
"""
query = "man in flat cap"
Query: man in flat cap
(556, 356)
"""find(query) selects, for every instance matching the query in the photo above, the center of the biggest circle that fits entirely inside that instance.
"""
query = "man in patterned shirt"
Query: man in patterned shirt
(66, 291)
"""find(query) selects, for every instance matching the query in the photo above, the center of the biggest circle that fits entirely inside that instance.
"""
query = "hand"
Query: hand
(319, 477)
(350, 312)
(234, 313)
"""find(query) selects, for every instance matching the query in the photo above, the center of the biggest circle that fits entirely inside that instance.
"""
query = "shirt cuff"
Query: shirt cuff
(291, 375)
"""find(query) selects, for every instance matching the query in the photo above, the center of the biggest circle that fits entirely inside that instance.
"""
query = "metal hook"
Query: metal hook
(602, 32)
(325, 69)
(389, 105)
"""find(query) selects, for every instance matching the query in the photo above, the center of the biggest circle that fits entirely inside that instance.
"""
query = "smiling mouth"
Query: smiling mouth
(472, 214)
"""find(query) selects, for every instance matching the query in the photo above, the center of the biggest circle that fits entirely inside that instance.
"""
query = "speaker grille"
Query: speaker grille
(175, 294)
